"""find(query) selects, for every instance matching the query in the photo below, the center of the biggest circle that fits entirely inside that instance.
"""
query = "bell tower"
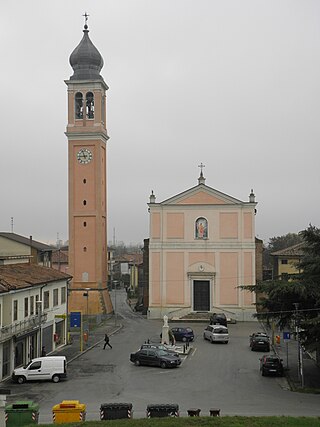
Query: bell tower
(87, 161)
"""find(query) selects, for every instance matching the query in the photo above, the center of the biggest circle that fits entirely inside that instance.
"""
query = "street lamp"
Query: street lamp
(115, 282)
(85, 336)
(38, 304)
(300, 354)
(86, 294)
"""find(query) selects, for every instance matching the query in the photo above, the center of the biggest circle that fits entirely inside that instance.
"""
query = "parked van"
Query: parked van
(216, 333)
(42, 368)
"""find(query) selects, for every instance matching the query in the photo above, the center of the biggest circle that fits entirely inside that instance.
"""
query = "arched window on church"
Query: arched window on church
(78, 105)
(201, 228)
(89, 105)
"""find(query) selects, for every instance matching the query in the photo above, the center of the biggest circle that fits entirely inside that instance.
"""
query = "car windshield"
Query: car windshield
(188, 330)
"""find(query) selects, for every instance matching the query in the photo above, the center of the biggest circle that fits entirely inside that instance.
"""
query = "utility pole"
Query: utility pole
(300, 352)
(38, 304)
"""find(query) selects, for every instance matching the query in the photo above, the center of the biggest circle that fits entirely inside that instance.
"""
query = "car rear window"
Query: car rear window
(272, 361)
(220, 331)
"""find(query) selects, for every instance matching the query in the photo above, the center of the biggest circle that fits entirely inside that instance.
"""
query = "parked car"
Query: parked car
(218, 319)
(216, 333)
(155, 357)
(271, 365)
(260, 342)
(160, 347)
(183, 334)
(52, 368)
(255, 335)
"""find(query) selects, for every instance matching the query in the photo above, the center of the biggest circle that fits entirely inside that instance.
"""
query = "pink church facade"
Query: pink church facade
(202, 248)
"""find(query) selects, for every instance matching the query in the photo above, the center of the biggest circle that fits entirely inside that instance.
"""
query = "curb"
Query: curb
(94, 345)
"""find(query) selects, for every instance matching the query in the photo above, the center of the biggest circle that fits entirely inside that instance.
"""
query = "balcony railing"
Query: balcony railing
(24, 326)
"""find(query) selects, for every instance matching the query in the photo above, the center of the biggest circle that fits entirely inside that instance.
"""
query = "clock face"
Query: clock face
(84, 156)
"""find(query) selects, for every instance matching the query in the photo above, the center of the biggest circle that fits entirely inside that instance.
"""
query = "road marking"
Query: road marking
(193, 351)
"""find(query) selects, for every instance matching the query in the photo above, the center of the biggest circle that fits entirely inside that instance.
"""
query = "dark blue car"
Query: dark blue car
(183, 334)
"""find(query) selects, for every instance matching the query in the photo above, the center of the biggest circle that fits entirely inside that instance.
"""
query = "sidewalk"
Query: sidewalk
(288, 351)
(96, 335)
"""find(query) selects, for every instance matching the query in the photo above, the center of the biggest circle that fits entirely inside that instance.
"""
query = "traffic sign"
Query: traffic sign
(286, 336)
(75, 319)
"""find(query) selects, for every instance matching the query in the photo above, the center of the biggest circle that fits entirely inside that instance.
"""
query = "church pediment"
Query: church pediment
(202, 195)
(201, 198)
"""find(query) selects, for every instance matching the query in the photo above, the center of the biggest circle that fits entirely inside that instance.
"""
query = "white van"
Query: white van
(42, 368)
(216, 333)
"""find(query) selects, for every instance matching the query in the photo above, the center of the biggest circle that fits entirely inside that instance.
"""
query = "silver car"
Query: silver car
(216, 333)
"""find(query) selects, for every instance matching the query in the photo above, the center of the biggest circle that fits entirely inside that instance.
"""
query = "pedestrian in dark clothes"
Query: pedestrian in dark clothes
(106, 341)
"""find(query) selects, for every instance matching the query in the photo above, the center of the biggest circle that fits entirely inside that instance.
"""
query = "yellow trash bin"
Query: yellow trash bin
(68, 411)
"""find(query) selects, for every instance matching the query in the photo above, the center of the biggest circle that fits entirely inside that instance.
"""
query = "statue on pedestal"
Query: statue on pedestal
(165, 331)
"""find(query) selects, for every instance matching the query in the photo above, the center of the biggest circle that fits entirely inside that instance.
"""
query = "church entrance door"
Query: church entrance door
(201, 295)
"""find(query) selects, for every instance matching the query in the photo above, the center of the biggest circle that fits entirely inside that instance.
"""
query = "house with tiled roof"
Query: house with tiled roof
(33, 307)
(286, 261)
(16, 248)
(60, 259)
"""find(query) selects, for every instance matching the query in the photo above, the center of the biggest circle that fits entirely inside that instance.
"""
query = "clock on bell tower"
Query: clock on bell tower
(87, 163)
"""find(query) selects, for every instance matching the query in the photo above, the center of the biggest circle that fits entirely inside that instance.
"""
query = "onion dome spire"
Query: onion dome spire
(86, 60)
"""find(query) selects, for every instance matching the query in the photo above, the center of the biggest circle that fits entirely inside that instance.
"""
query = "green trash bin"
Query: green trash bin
(22, 413)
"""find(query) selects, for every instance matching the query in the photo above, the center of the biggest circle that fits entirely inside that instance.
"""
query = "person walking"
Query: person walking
(106, 341)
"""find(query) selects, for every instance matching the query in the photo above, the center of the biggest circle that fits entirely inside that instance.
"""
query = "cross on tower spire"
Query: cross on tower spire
(86, 16)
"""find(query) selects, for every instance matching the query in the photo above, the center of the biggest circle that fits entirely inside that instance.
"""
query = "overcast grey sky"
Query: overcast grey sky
(233, 84)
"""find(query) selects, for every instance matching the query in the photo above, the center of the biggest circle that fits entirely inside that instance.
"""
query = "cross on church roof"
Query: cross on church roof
(201, 166)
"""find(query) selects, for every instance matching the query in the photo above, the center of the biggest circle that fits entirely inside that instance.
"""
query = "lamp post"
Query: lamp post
(38, 303)
(115, 282)
(85, 336)
(86, 294)
(300, 354)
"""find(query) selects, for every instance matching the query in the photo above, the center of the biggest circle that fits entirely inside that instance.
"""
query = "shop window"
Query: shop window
(284, 261)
